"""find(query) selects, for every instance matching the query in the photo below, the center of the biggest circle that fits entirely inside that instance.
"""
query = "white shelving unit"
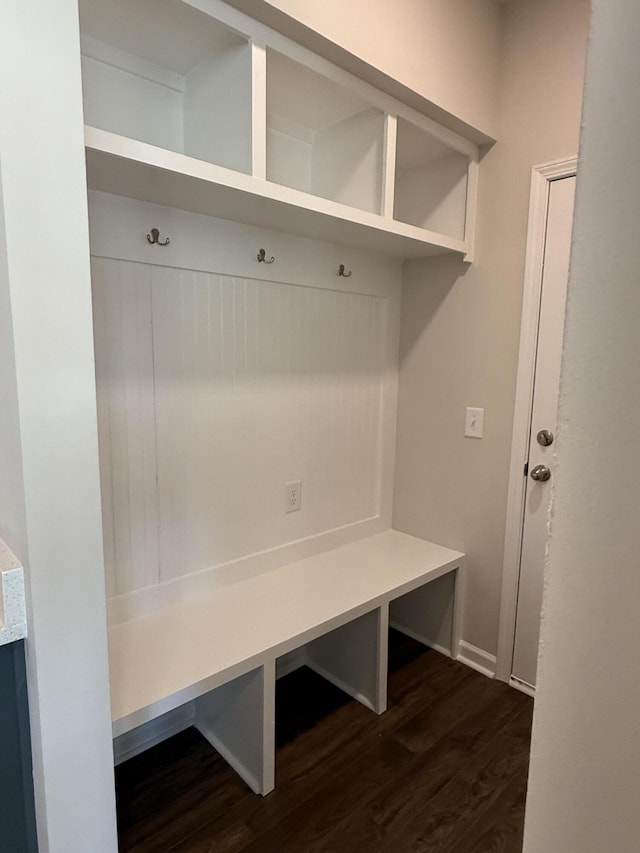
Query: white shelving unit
(206, 110)
(194, 106)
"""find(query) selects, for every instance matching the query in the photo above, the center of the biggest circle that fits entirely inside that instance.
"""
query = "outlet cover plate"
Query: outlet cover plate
(293, 496)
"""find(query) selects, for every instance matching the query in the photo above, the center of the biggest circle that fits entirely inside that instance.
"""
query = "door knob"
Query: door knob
(540, 473)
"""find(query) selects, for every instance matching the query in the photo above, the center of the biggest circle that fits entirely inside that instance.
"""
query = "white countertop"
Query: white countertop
(13, 619)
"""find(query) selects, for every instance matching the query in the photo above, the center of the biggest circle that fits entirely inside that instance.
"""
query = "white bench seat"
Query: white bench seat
(221, 649)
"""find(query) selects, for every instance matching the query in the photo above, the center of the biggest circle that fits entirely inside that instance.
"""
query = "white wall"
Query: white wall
(13, 523)
(219, 380)
(460, 332)
(583, 788)
(45, 281)
(447, 52)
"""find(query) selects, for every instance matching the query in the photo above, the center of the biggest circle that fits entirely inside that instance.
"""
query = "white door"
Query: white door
(543, 428)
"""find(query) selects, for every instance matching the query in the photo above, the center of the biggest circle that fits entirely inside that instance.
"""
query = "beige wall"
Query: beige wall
(461, 326)
(446, 51)
(13, 522)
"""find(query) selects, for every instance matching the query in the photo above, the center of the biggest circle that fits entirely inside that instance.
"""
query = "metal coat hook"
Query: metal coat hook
(154, 237)
(343, 273)
(262, 257)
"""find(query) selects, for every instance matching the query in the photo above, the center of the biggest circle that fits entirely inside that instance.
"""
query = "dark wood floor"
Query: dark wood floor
(444, 769)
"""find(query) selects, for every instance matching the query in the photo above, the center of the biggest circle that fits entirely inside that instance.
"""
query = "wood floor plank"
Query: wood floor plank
(501, 827)
(321, 754)
(313, 754)
(384, 820)
(303, 827)
(164, 795)
(425, 728)
(477, 786)
(444, 767)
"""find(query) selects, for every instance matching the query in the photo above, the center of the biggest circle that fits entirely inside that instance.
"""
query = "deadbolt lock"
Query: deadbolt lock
(545, 437)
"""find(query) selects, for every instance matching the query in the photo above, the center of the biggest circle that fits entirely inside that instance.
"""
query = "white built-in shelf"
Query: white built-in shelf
(206, 110)
(126, 167)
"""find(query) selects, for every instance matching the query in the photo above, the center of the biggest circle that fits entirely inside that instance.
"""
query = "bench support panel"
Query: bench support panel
(238, 720)
(430, 614)
(354, 657)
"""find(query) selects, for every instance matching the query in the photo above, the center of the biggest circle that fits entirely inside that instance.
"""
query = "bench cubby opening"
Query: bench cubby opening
(354, 658)
(427, 614)
(238, 720)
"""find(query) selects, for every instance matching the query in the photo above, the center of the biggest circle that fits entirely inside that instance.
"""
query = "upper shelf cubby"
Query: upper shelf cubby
(431, 182)
(322, 138)
(162, 72)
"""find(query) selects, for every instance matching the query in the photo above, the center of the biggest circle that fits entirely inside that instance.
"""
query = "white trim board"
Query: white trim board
(541, 177)
(476, 659)
(522, 686)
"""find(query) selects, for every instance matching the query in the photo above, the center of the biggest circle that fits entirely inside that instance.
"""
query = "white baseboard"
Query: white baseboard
(477, 659)
(443, 650)
(155, 731)
(522, 686)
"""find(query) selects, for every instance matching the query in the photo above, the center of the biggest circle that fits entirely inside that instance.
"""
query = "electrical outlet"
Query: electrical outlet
(293, 496)
(474, 423)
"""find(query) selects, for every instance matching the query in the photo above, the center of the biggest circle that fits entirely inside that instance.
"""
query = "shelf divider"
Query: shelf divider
(259, 109)
(389, 165)
(472, 208)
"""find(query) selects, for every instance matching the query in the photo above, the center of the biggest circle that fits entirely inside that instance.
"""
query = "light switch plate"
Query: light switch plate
(474, 423)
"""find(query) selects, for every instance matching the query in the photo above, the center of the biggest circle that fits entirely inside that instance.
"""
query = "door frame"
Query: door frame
(541, 178)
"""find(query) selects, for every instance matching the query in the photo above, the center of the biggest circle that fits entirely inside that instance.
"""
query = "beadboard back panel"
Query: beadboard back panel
(215, 390)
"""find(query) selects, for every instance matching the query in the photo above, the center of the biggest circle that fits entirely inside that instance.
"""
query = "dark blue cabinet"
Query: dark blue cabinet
(17, 817)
